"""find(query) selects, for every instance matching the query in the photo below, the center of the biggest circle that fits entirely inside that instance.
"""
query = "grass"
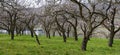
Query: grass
(25, 45)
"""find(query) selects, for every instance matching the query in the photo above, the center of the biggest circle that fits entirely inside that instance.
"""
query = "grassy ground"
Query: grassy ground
(25, 45)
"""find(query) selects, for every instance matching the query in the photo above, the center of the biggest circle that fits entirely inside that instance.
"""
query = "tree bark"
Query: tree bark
(84, 43)
(111, 39)
(75, 34)
(37, 39)
(8, 32)
(48, 34)
(12, 35)
(64, 37)
(68, 33)
(31, 32)
(54, 34)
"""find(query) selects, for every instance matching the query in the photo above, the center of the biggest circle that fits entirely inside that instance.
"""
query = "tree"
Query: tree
(31, 22)
(4, 24)
(110, 24)
(74, 23)
(20, 27)
(61, 24)
(72, 16)
(12, 11)
(91, 19)
(47, 20)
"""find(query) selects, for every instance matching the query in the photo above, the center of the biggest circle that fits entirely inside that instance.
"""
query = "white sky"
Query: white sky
(33, 3)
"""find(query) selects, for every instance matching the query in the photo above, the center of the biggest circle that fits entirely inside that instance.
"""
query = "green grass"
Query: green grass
(25, 45)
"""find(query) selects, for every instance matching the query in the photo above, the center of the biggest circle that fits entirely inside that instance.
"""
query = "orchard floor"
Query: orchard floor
(26, 45)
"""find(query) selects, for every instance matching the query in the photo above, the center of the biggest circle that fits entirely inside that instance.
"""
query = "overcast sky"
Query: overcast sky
(33, 3)
(38, 3)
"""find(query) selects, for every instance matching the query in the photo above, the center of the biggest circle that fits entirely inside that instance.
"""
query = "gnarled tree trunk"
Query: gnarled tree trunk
(111, 39)
(84, 43)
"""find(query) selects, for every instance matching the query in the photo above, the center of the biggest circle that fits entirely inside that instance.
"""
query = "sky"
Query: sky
(33, 3)
(37, 3)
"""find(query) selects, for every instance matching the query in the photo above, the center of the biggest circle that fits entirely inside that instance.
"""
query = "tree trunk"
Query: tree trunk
(68, 33)
(59, 33)
(31, 32)
(75, 34)
(111, 39)
(46, 34)
(84, 43)
(12, 35)
(37, 39)
(54, 34)
(8, 32)
(64, 37)
(49, 35)
(89, 38)
(17, 32)
(22, 32)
